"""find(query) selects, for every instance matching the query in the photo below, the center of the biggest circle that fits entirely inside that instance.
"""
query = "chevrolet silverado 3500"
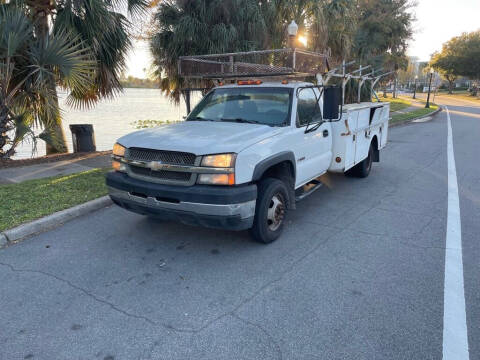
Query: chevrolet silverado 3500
(245, 154)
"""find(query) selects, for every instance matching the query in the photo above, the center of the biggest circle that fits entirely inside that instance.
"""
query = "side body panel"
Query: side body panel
(353, 134)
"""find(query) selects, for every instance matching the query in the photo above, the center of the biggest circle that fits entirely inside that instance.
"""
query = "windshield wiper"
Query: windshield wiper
(199, 118)
(240, 120)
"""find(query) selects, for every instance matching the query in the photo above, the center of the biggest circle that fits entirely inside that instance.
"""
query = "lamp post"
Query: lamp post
(429, 89)
(292, 30)
(415, 88)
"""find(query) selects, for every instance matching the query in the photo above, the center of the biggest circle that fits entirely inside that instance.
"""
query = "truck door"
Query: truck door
(313, 150)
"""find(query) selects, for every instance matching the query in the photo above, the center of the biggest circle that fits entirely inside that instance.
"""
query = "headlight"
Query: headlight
(118, 150)
(216, 179)
(219, 160)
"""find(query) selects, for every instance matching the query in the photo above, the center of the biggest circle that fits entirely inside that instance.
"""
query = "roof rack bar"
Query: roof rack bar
(253, 52)
(279, 62)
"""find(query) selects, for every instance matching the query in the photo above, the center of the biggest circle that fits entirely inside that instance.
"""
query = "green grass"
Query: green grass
(34, 199)
(397, 104)
(465, 95)
(414, 114)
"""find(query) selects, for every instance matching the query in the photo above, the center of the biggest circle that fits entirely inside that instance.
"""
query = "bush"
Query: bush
(145, 124)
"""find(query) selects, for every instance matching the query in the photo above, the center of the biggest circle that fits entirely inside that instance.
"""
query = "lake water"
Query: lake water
(112, 119)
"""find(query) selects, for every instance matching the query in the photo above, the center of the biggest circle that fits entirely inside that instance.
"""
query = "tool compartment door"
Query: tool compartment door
(362, 136)
(350, 139)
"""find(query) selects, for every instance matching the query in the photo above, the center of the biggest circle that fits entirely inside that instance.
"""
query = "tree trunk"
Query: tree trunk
(56, 140)
(450, 87)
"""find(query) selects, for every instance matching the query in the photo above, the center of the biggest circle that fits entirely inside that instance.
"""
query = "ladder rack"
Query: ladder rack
(288, 62)
(263, 63)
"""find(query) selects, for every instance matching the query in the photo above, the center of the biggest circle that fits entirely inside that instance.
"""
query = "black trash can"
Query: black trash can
(83, 138)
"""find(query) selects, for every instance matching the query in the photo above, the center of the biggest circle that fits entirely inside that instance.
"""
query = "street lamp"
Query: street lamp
(292, 30)
(415, 88)
(429, 89)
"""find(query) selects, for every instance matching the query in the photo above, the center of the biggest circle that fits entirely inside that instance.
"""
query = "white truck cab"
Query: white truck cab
(245, 154)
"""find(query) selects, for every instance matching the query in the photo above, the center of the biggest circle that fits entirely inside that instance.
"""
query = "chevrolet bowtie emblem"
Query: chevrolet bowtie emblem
(156, 165)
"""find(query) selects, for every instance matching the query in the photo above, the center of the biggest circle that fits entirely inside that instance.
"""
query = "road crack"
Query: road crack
(85, 292)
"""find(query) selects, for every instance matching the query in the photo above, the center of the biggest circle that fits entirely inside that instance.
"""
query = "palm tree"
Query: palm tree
(183, 27)
(28, 65)
(100, 27)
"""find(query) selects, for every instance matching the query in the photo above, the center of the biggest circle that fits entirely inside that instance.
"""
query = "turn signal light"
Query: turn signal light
(249, 82)
(216, 179)
(118, 166)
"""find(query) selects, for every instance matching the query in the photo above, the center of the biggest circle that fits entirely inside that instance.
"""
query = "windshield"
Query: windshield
(267, 106)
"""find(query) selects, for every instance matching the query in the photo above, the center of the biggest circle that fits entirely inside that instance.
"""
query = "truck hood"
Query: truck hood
(200, 137)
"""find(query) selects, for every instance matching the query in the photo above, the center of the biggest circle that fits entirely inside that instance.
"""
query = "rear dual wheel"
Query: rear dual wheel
(271, 209)
(362, 169)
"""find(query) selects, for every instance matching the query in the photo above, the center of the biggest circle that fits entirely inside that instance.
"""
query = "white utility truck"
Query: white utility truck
(251, 148)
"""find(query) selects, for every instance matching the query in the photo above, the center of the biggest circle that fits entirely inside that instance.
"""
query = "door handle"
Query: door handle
(325, 133)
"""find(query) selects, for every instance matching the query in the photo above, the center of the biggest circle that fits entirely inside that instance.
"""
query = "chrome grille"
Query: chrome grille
(166, 157)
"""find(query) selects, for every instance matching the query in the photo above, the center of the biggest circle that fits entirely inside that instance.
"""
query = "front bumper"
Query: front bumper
(231, 208)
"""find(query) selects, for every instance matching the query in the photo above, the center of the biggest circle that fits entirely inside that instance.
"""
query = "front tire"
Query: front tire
(271, 209)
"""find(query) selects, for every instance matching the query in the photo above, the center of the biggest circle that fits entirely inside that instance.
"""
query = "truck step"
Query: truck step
(307, 189)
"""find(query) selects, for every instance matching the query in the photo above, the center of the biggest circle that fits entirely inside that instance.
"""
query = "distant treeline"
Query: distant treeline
(133, 82)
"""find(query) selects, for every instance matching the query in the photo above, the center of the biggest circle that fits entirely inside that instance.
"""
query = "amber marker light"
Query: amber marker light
(249, 82)
(116, 165)
(217, 179)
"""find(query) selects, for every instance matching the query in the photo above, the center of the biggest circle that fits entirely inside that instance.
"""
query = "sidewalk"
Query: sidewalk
(13, 175)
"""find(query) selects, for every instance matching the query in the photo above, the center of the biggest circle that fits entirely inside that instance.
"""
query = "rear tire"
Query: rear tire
(270, 212)
(362, 169)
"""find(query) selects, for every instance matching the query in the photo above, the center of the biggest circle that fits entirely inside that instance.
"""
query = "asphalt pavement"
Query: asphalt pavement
(358, 273)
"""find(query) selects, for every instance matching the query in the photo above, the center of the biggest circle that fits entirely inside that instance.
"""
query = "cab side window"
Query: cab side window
(308, 110)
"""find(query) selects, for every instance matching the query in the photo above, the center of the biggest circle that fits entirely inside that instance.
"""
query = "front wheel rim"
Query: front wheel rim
(276, 212)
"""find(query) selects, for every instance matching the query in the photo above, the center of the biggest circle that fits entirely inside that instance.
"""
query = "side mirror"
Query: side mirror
(332, 99)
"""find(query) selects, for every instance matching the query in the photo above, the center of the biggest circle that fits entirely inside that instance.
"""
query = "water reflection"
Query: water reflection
(112, 119)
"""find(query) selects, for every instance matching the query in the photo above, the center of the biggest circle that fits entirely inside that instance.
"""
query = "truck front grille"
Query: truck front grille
(165, 157)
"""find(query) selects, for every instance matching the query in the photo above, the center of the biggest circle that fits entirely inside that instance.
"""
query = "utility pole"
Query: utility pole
(429, 89)
(395, 87)
(415, 87)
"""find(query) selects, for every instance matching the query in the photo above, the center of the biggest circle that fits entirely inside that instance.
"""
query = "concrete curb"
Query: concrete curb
(51, 221)
(398, 123)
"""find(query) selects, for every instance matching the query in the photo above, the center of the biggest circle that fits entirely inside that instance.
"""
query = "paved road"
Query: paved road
(358, 274)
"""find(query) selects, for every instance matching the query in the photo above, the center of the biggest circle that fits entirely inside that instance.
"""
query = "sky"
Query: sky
(440, 20)
(437, 22)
